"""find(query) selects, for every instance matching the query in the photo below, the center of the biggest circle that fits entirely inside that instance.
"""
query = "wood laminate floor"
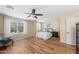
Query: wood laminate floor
(38, 46)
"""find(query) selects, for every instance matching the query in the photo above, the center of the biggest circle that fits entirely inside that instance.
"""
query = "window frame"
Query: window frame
(13, 33)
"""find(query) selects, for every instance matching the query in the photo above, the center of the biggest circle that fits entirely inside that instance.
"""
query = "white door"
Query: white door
(71, 30)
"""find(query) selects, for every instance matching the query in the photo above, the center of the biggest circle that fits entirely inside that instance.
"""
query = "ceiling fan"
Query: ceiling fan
(34, 14)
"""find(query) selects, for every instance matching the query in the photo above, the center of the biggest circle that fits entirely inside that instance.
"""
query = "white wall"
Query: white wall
(7, 26)
(71, 29)
(29, 29)
(68, 29)
(54, 24)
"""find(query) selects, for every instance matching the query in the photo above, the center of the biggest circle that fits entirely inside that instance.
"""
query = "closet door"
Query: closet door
(71, 30)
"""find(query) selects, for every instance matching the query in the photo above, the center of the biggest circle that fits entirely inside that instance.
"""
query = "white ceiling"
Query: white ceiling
(51, 12)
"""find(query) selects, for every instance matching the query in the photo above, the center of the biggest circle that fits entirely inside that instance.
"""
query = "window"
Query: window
(39, 26)
(20, 27)
(13, 28)
(16, 27)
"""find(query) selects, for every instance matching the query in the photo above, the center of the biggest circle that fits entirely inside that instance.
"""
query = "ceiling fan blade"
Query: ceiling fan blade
(39, 14)
(33, 11)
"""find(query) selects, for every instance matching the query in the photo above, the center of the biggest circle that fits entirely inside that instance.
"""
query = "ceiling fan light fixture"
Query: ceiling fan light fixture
(36, 17)
(10, 7)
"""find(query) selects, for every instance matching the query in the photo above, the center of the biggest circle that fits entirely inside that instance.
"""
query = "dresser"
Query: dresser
(55, 34)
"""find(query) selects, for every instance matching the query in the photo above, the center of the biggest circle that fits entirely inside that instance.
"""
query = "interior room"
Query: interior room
(39, 29)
